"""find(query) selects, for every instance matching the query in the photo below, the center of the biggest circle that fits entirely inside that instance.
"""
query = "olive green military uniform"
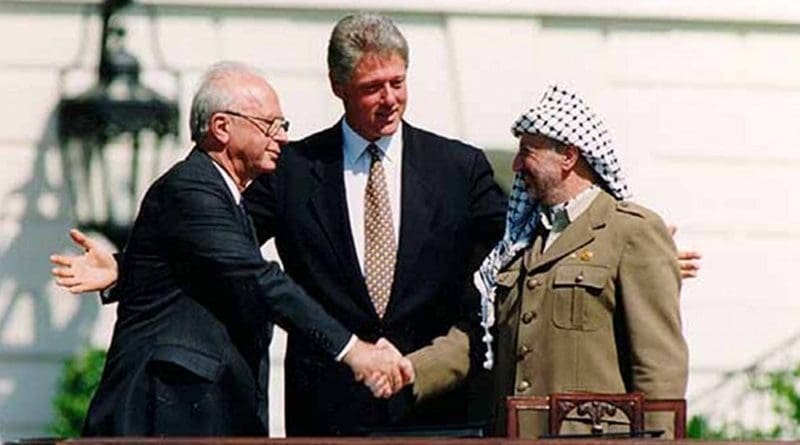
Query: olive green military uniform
(598, 311)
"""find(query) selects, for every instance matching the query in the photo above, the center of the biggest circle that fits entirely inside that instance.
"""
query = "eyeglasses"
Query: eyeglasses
(273, 125)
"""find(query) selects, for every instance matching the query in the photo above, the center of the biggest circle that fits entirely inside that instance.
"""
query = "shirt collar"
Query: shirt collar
(237, 195)
(559, 216)
(355, 145)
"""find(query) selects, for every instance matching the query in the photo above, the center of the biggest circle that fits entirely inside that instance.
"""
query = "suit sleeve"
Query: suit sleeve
(203, 232)
(445, 363)
(650, 290)
(109, 295)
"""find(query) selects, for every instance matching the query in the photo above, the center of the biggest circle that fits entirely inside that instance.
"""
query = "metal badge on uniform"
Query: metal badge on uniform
(586, 255)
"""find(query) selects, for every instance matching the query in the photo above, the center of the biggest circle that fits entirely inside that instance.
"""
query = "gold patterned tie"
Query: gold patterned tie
(380, 249)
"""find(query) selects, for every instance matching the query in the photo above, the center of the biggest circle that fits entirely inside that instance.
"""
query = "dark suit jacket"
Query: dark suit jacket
(193, 322)
(452, 212)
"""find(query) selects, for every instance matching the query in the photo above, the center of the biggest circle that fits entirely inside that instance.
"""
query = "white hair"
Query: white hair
(213, 95)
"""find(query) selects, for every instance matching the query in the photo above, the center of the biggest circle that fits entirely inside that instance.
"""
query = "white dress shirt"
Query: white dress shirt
(237, 195)
(356, 171)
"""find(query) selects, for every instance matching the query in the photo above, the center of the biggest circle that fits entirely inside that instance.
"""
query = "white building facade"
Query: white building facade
(701, 97)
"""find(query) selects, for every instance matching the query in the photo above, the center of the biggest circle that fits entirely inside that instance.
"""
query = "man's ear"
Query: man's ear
(220, 128)
(335, 86)
(571, 156)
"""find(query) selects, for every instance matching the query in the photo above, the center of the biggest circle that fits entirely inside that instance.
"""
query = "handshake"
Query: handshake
(382, 368)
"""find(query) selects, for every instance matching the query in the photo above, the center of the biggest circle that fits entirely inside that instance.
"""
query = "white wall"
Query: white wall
(701, 98)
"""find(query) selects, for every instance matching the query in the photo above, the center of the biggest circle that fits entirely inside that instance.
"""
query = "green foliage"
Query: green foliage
(784, 398)
(79, 379)
(780, 388)
(699, 428)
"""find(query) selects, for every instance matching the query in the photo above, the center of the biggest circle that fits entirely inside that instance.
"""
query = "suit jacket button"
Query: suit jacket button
(528, 317)
(579, 278)
(532, 283)
(523, 386)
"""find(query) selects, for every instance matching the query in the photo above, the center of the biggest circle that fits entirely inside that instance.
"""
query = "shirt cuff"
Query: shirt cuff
(347, 348)
(105, 295)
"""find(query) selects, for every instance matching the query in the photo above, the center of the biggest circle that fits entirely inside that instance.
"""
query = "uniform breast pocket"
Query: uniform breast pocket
(577, 289)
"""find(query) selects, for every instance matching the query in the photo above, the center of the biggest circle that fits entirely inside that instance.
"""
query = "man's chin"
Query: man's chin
(269, 167)
(390, 128)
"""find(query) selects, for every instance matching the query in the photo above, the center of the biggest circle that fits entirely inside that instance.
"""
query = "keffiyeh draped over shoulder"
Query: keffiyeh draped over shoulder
(521, 217)
(561, 115)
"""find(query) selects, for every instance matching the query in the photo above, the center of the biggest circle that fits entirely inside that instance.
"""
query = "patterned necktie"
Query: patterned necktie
(379, 244)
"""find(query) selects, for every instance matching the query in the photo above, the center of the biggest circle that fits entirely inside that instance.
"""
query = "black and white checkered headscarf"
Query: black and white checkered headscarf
(563, 116)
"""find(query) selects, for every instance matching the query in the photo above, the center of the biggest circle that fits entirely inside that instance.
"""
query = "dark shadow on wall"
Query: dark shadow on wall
(37, 330)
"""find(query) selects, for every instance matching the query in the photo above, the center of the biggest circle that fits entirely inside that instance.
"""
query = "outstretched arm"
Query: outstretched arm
(95, 270)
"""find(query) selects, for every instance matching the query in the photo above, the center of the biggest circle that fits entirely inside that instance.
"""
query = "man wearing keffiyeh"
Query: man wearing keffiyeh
(581, 294)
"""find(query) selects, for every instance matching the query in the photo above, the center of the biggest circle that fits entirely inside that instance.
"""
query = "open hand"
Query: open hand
(95, 270)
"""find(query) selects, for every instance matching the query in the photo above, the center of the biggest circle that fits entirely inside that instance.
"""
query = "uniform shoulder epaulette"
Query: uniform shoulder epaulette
(631, 208)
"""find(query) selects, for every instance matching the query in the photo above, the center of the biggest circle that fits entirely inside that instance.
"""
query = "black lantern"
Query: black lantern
(111, 137)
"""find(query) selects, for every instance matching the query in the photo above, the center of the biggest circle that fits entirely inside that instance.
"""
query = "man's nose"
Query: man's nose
(281, 137)
(388, 95)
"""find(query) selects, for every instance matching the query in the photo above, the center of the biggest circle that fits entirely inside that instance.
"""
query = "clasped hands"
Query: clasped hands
(380, 366)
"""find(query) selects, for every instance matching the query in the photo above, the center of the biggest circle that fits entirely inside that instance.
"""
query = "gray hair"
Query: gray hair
(213, 95)
(360, 33)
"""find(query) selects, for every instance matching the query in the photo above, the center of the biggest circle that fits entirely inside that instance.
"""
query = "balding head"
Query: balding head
(236, 118)
(227, 86)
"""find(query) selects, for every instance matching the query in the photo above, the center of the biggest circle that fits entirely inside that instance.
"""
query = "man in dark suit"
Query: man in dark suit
(196, 299)
(442, 214)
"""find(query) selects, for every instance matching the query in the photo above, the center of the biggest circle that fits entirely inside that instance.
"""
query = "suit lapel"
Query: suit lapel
(578, 234)
(328, 202)
(202, 158)
(416, 213)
